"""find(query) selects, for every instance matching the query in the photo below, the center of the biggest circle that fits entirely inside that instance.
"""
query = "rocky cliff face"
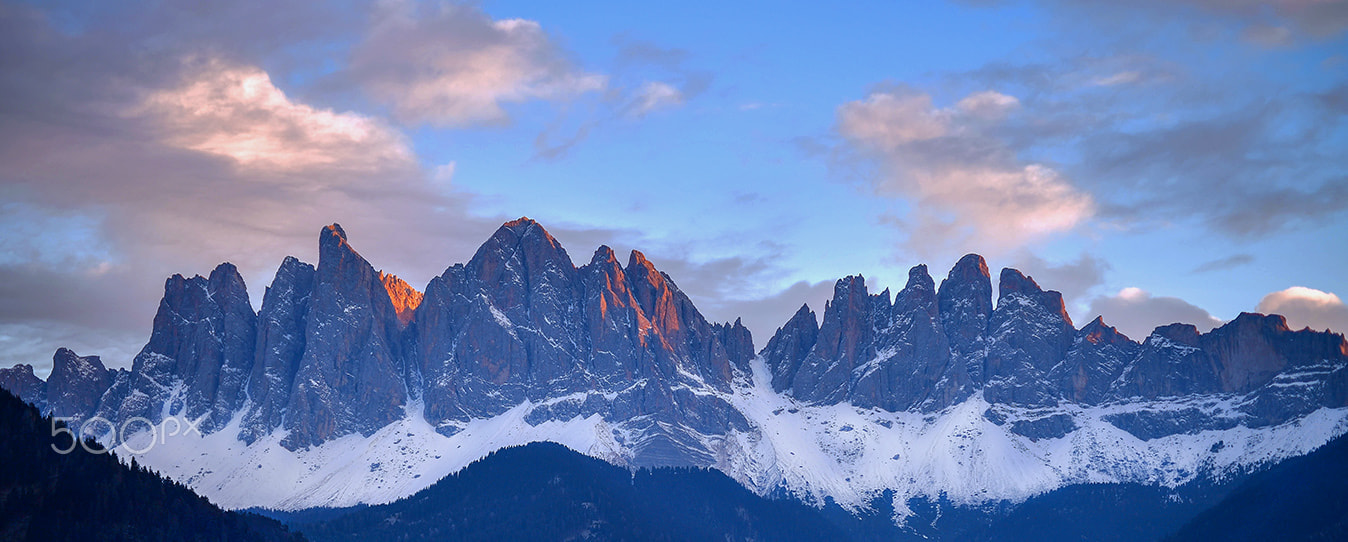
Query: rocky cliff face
(280, 345)
(934, 349)
(404, 297)
(738, 343)
(21, 381)
(913, 367)
(1029, 332)
(76, 384)
(788, 348)
(199, 356)
(519, 322)
(351, 375)
(1095, 361)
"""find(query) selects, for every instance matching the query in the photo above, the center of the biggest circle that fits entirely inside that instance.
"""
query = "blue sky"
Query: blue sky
(1155, 161)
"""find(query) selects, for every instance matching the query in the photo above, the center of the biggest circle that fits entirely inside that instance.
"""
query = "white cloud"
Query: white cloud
(988, 104)
(455, 66)
(1307, 307)
(655, 95)
(236, 112)
(962, 183)
(888, 120)
(1136, 312)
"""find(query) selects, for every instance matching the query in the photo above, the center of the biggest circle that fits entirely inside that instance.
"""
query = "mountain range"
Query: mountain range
(350, 386)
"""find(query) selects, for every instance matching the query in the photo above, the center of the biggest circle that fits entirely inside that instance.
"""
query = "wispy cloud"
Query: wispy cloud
(1222, 264)
(452, 65)
(962, 180)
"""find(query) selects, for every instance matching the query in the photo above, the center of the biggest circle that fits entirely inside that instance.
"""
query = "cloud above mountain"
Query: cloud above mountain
(1307, 307)
(961, 181)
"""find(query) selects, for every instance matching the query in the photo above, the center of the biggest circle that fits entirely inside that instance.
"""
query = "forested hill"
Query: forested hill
(544, 491)
(47, 496)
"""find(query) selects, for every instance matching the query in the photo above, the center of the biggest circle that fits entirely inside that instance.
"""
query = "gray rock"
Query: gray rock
(280, 345)
(912, 369)
(1171, 363)
(789, 346)
(1154, 424)
(199, 355)
(1047, 427)
(846, 341)
(1028, 334)
(1097, 358)
(76, 384)
(738, 343)
(351, 375)
(965, 304)
(23, 383)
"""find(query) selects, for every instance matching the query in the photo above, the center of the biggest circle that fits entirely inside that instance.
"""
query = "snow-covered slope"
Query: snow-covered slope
(840, 451)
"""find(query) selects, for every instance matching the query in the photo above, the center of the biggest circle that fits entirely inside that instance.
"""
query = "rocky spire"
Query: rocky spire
(23, 383)
(789, 346)
(1028, 333)
(350, 377)
(199, 356)
(738, 343)
(76, 384)
(965, 304)
(913, 366)
(844, 342)
(280, 345)
(1097, 358)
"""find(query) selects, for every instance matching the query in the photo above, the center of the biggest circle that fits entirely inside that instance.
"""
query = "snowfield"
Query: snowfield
(849, 454)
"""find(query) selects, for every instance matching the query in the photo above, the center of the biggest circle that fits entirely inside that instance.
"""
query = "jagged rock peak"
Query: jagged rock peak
(964, 302)
(738, 342)
(517, 248)
(1182, 334)
(919, 278)
(405, 298)
(789, 346)
(524, 228)
(334, 231)
(332, 242)
(76, 383)
(970, 267)
(637, 260)
(67, 363)
(521, 221)
(1098, 332)
(604, 255)
(1012, 282)
(23, 382)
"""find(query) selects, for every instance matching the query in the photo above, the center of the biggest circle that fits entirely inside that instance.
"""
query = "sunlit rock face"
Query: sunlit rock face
(404, 297)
